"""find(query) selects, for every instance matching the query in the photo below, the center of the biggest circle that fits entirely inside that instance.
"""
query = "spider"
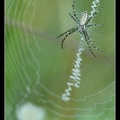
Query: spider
(82, 25)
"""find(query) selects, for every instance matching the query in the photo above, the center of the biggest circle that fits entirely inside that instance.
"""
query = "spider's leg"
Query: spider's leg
(74, 12)
(94, 25)
(90, 17)
(67, 36)
(74, 19)
(95, 46)
(90, 43)
(94, 14)
(91, 50)
(65, 32)
(87, 40)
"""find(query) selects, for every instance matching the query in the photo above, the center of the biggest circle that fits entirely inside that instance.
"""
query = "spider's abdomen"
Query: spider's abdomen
(84, 18)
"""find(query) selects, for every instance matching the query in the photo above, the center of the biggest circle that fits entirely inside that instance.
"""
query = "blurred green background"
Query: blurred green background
(37, 69)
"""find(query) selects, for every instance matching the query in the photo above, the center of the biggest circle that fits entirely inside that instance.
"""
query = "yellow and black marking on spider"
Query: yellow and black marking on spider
(82, 25)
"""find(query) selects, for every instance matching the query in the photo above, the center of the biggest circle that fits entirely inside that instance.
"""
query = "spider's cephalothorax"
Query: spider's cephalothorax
(82, 24)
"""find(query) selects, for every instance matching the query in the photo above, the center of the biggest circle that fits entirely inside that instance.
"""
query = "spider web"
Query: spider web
(37, 70)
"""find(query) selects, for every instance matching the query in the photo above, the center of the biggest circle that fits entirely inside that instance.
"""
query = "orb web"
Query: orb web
(37, 70)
